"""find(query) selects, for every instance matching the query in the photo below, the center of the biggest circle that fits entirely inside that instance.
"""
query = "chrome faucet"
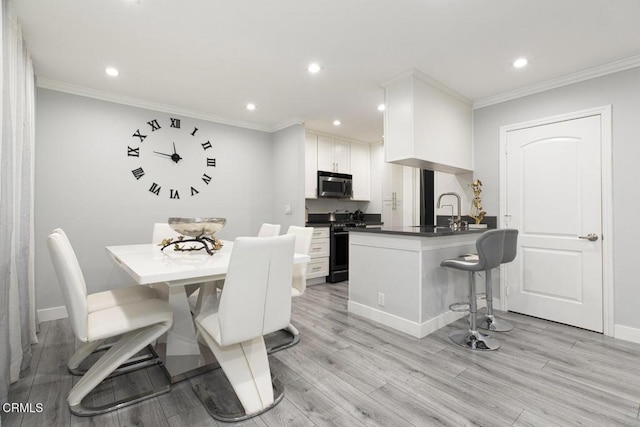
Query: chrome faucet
(453, 223)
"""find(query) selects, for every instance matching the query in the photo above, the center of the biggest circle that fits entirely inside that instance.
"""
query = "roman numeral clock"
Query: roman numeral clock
(171, 161)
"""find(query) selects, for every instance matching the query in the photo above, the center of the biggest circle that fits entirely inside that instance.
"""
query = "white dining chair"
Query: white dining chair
(255, 301)
(303, 236)
(135, 323)
(266, 230)
(100, 301)
(269, 230)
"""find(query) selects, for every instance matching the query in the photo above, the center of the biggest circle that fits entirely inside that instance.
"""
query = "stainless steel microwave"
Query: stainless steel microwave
(336, 185)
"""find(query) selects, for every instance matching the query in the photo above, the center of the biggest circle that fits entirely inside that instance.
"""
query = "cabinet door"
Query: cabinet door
(341, 156)
(361, 171)
(311, 166)
(392, 181)
(325, 154)
(392, 187)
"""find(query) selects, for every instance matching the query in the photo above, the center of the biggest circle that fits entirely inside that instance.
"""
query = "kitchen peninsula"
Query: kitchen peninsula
(395, 276)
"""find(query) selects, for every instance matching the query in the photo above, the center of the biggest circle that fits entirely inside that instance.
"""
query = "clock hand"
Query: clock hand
(163, 154)
(175, 156)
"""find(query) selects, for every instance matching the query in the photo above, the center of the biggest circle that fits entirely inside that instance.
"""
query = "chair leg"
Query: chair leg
(246, 366)
(471, 338)
(295, 339)
(489, 321)
(120, 352)
(132, 364)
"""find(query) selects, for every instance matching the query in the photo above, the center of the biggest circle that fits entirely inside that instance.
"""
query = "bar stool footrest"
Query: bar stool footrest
(461, 307)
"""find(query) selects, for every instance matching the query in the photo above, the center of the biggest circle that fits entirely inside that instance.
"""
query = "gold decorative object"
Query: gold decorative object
(476, 204)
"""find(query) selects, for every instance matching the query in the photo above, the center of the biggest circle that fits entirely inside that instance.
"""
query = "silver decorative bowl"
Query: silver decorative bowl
(197, 227)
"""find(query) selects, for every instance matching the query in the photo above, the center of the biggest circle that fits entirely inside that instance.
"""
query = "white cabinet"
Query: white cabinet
(318, 267)
(333, 155)
(427, 125)
(392, 194)
(361, 171)
(311, 166)
(326, 153)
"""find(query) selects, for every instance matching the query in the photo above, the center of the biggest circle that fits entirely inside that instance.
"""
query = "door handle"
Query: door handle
(590, 237)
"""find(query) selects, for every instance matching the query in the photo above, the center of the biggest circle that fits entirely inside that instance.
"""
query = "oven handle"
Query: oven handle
(339, 233)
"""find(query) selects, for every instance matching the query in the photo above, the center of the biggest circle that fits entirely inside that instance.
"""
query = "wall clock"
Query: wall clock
(171, 160)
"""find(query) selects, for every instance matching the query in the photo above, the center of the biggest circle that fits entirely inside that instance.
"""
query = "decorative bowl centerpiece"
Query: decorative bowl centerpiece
(201, 231)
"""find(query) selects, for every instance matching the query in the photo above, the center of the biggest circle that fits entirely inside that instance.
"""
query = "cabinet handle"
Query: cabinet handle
(316, 268)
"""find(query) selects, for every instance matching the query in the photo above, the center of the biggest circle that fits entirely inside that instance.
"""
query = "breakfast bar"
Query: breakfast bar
(395, 276)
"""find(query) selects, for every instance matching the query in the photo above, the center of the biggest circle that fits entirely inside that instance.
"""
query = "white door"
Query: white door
(553, 197)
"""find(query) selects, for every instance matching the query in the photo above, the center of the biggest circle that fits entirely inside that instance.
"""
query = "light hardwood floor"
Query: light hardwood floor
(347, 371)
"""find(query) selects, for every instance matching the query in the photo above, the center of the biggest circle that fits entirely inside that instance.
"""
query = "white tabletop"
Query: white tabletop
(147, 264)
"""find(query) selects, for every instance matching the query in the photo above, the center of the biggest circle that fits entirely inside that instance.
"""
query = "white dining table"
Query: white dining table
(169, 272)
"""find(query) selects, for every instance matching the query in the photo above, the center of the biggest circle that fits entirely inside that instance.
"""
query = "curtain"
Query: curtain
(17, 295)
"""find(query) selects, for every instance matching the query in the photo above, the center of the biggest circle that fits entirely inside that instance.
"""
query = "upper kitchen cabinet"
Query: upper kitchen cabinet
(361, 171)
(333, 155)
(326, 153)
(427, 125)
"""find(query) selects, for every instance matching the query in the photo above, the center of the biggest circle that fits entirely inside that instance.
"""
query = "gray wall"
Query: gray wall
(84, 184)
(287, 170)
(621, 90)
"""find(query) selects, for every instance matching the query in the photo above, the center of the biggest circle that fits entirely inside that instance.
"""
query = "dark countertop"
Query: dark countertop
(421, 231)
(328, 224)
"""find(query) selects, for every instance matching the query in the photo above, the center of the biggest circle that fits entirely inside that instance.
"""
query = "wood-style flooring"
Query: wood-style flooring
(347, 371)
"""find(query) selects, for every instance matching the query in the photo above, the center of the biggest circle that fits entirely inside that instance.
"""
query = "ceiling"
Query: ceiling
(209, 58)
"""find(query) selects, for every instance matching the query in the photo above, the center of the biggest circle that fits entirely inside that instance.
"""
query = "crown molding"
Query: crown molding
(297, 120)
(588, 74)
(141, 103)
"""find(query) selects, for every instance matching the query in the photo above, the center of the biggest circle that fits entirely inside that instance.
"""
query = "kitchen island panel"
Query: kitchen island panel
(377, 280)
(406, 269)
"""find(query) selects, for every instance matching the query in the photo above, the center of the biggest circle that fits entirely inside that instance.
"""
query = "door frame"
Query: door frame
(606, 168)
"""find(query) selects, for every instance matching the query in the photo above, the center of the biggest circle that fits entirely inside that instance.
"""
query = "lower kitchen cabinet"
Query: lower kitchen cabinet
(318, 268)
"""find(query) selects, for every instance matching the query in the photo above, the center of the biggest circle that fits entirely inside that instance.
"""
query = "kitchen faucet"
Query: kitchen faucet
(453, 223)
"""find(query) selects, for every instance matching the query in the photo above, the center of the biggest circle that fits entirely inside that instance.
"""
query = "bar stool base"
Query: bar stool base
(474, 340)
(495, 324)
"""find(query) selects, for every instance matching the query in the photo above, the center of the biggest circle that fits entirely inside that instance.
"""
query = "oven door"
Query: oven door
(339, 259)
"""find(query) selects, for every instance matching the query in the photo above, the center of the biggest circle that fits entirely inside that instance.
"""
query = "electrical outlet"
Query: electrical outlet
(380, 299)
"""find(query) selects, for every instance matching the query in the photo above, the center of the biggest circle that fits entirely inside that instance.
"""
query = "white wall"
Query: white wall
(287, 171)
(461, 184)
(621, 91)
(83, 184)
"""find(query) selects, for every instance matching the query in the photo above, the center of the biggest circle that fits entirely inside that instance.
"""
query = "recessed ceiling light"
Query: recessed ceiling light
(314, 68)
(251, 106)
(337, 122)
(520, 62)
(111, 71)
(381, 107)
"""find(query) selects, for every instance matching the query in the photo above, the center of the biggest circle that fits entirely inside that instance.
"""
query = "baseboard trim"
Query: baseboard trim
(627, 333)
(415, 329)
(53, 313)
